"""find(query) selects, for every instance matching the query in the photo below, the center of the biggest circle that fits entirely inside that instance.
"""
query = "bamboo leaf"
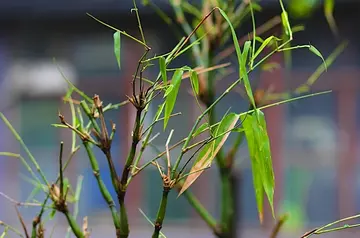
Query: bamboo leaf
(317, 52)
(244, 74)
(234, 36)
(171, 96)
(59, 125)
(260, 155)
(208, 153)
(194, 81)
(201, 129)
(285, 20)
(69, 93)
(117, 46)
(52, 214)
(162, 65)
(265, 43)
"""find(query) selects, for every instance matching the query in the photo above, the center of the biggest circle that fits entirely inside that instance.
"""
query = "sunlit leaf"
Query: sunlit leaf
(117, 45)
(171, 97)
(263, 45)
(168, 90)
(260, 156)
(285, 20)
(208, 153)
(317, 52)
(162, 65)
(194, 81)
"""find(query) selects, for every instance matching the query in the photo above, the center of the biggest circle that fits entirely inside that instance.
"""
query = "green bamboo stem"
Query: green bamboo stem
(74, 226)
(104, 191)
(125, 175)
(161, 213)
(87, 111)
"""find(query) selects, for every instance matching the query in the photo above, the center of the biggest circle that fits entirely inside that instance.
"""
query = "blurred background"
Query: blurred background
(314, 141)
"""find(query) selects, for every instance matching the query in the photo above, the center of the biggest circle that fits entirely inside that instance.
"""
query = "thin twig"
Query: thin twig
(61, 170)
(22, 222)
(17, 203)
(278, 226)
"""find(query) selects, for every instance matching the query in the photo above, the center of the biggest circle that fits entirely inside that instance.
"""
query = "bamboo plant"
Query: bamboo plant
(215, 24)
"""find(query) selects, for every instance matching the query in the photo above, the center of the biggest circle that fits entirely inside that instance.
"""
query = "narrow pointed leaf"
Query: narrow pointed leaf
(260, 156)
(208, 153)
(201, 129)
(117, 45)
(317, 52)
(168, 90)
(162, 65)
(264, 44)
(285, 22)
(171, 97)
(244, 74)
(194, 81)
(234, 37)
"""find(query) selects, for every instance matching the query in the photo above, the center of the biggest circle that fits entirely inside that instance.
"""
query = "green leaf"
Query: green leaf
(234, 36)
(285, 20)
(208, 153)
(52, 214)
(168, 90)
(194, 81)
(59, 125)
(317, 52)
(117, 45)
(244, 74)
(201, 129)
(265, 43)
(69, 93)
(171, 96)
(259, 39)
(261, 162)
(162, 65)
